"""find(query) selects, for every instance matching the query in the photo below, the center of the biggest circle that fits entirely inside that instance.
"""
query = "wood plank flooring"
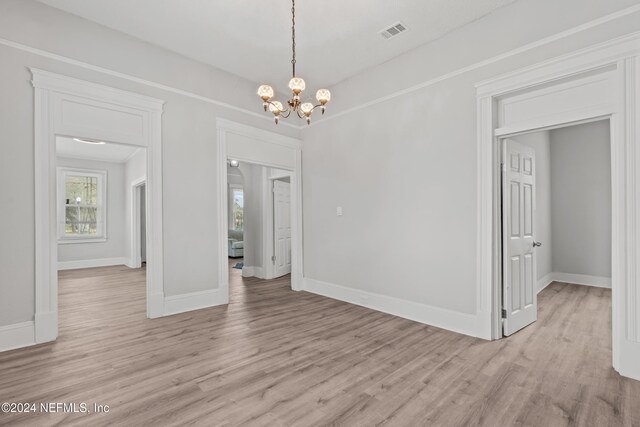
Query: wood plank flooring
(275, 357)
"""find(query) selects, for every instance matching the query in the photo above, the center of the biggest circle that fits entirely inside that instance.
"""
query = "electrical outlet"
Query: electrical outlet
(339, 211)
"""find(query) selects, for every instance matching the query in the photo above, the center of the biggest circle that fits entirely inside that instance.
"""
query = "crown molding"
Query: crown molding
(546, 40)
(124, 76)
(538, 43)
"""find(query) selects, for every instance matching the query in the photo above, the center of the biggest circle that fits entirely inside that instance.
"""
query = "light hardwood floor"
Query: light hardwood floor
(276, 357)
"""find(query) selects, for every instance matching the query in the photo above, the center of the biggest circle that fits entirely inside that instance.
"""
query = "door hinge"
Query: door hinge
(504, 313)
(273, 259)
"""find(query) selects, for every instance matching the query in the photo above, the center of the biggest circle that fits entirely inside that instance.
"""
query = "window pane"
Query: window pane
(238, 210)
(81, 221)
(81, 190)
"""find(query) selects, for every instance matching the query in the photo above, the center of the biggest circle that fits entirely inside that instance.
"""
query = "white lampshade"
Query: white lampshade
(275, 107)
(265, 92)
(297, 85)
(323, 96)
(306, 108)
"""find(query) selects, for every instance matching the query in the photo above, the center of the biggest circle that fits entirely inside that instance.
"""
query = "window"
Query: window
(237, 208)
(81, 205)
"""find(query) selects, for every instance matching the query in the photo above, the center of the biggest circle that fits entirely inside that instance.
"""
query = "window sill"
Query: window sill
(74, 241)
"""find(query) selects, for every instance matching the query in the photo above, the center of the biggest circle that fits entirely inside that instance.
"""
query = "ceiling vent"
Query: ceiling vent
(393, 30)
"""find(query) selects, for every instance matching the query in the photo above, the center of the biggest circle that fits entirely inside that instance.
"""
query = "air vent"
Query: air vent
(393, 30)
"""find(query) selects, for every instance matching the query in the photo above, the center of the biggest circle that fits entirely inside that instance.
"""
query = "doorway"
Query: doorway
(556, 216)
(271, 153)
(594, 84)
(96, 113)
(96, 221)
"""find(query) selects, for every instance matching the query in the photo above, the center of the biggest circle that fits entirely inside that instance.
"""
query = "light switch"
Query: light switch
(339, 211)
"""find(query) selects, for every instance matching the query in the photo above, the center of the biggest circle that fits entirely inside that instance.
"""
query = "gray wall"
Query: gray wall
(540, 142)
(116, 244)
(253, 186)
(405, 170)
(581, 199)
(188, 141)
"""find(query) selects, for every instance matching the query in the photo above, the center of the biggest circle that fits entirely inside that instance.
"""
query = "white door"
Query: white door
(282, 227)
(519, 297)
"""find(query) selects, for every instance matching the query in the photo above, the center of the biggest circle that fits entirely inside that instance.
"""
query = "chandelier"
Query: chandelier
(297, 86)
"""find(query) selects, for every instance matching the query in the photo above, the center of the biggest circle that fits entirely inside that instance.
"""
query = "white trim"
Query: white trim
(91, 263)
(51, 91)
(582, 279)
(135, 260)
(575, 279)
(192, 301)
(545, 281)
(226, 127)
(249, 271)
(618, 58)
(539, 43)
(85, 65)
(17, 335)
(442, 318)
(101, 204)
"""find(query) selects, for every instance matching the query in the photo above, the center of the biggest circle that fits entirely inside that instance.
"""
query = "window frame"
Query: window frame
(101, 205)
(232, 189)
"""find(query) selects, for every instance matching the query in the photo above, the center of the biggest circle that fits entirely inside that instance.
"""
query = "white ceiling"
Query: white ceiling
(114, 153)
(336, 39)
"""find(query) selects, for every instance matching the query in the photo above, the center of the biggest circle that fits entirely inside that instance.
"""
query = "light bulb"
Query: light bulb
(323, 96)
(275, 107)
(297, 85)
(306, 108)
(265, 92)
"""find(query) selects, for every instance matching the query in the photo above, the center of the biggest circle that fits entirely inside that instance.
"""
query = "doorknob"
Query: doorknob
(536, 244)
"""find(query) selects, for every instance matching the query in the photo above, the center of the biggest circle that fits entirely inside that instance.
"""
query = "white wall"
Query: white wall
(404, 168)
(581, 199)
(115, 246)
(188, 139)
(253, 178)
(540, 142)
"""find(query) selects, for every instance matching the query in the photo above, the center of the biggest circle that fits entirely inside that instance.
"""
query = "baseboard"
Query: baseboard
(442, 318)
(545, 281)
(17, 335)
(193, 301)
(91, 263)
(249, 271)
(582, 279)
(46, 326)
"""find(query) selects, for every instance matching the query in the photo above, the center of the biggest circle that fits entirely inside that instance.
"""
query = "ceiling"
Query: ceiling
(336, 39)
(114, 153)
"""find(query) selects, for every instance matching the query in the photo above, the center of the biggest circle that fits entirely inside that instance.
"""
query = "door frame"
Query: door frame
(66, 106)
(515, 104)
(257, 146)
(136, 241)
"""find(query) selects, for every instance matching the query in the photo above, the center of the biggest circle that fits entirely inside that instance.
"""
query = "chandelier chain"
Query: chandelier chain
(293, 35)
